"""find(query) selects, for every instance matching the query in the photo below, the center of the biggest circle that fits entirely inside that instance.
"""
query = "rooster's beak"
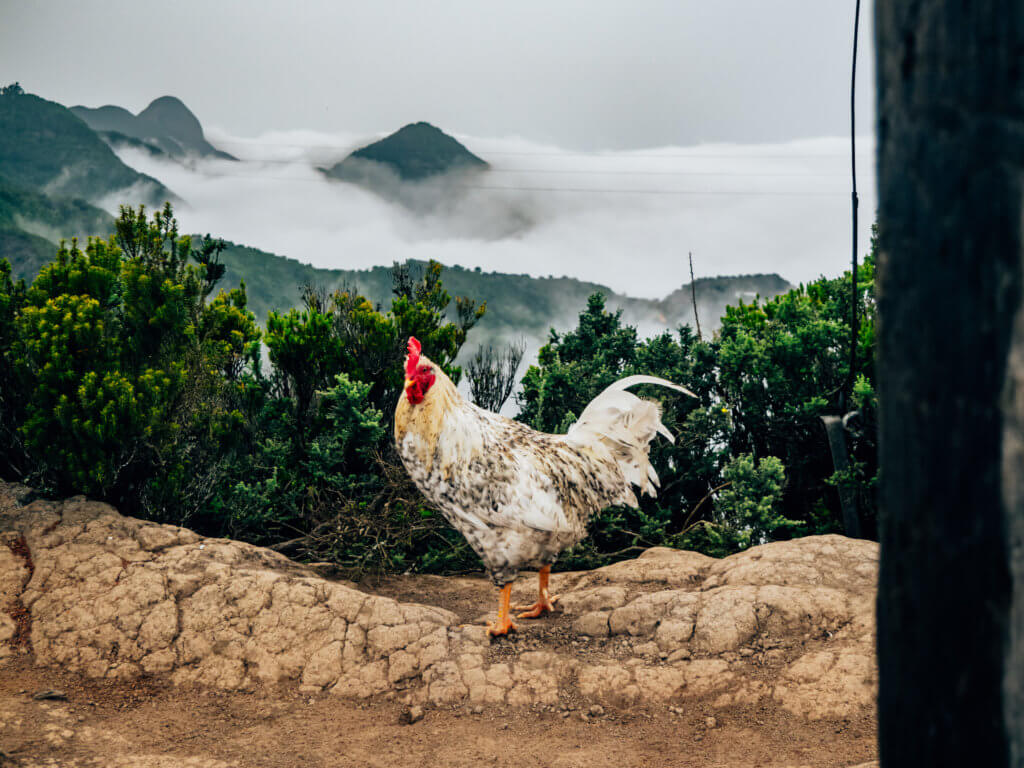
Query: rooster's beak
(409, 383)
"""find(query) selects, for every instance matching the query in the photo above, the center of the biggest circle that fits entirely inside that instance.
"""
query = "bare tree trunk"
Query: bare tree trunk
(951, 382)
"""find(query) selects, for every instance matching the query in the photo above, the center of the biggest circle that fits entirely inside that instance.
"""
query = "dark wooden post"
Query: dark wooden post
(951, 382)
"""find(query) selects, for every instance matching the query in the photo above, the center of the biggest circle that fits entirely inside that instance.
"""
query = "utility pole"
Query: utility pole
(951, 382)
(693, 295)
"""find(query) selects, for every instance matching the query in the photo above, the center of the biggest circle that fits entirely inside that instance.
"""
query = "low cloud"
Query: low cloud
(624, 219)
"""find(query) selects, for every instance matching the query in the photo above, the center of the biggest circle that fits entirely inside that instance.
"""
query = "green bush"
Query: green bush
(784, 363)
(284, 482)
(746, 511)
(119, 367)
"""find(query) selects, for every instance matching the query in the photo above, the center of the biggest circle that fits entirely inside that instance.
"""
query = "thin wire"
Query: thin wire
(812, 174)
(696, 192)
(854, 202)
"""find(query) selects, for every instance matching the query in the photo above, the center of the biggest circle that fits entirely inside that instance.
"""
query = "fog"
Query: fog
(626, 219)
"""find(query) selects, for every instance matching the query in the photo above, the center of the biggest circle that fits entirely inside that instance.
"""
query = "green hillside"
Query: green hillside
(517, 305)
(26, 252)
(31, 225)
(44, 146)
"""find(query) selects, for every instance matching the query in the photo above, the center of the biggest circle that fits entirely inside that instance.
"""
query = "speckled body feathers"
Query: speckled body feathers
(520, 496)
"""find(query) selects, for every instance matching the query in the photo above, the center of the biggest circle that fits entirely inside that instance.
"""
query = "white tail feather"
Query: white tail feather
(624, 425)
(632, 381)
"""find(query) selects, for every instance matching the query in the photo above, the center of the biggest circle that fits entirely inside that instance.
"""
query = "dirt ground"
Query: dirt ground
(151, 724)
(167, 650)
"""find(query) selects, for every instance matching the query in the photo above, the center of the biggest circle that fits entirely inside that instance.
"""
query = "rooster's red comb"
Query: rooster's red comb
(413, 358)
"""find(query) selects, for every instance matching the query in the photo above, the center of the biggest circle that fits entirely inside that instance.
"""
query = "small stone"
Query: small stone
(410, 715)
(710, 722)
(596, 710)
(50, 694)
(477, 710)
(681, 655)
(649, 649)
(565, 715)
(746, 652)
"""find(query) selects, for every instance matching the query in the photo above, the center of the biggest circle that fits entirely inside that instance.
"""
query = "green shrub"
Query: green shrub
(746, 510)
(121, 369)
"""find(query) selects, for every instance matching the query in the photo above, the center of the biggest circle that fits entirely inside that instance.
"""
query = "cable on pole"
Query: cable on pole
(854, 203)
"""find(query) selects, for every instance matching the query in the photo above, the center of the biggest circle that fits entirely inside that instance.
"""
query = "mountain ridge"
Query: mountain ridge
(45, 147)
(165, 124)
(518, 305)
(32, 224)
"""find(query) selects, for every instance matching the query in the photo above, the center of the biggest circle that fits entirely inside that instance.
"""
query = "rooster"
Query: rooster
(520, 497)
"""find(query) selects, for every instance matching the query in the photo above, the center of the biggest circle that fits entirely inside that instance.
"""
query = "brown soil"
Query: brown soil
(761, 659)
(140, 722)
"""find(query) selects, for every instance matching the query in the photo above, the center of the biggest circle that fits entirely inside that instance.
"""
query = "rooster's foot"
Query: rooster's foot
(504, 623)
(544, 604)
(501, 627)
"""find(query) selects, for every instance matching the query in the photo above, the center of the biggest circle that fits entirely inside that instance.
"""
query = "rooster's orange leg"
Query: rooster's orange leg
(545, 602)
(504, 623)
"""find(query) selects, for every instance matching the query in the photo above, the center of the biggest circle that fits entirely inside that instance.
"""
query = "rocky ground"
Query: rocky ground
(165, 648)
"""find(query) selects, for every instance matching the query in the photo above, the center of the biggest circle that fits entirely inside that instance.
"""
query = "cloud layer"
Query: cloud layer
(625, 219)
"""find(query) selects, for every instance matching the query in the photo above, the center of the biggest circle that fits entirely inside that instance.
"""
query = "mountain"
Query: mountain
(32, 224)
(413, 153)
(166, 126)
(50, 159)
(44, 147)
(518, 306)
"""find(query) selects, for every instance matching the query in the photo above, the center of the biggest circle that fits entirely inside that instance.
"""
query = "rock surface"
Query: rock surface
(789, 624)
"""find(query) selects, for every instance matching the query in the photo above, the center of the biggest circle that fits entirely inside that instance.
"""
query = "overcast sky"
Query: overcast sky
(581, 74)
